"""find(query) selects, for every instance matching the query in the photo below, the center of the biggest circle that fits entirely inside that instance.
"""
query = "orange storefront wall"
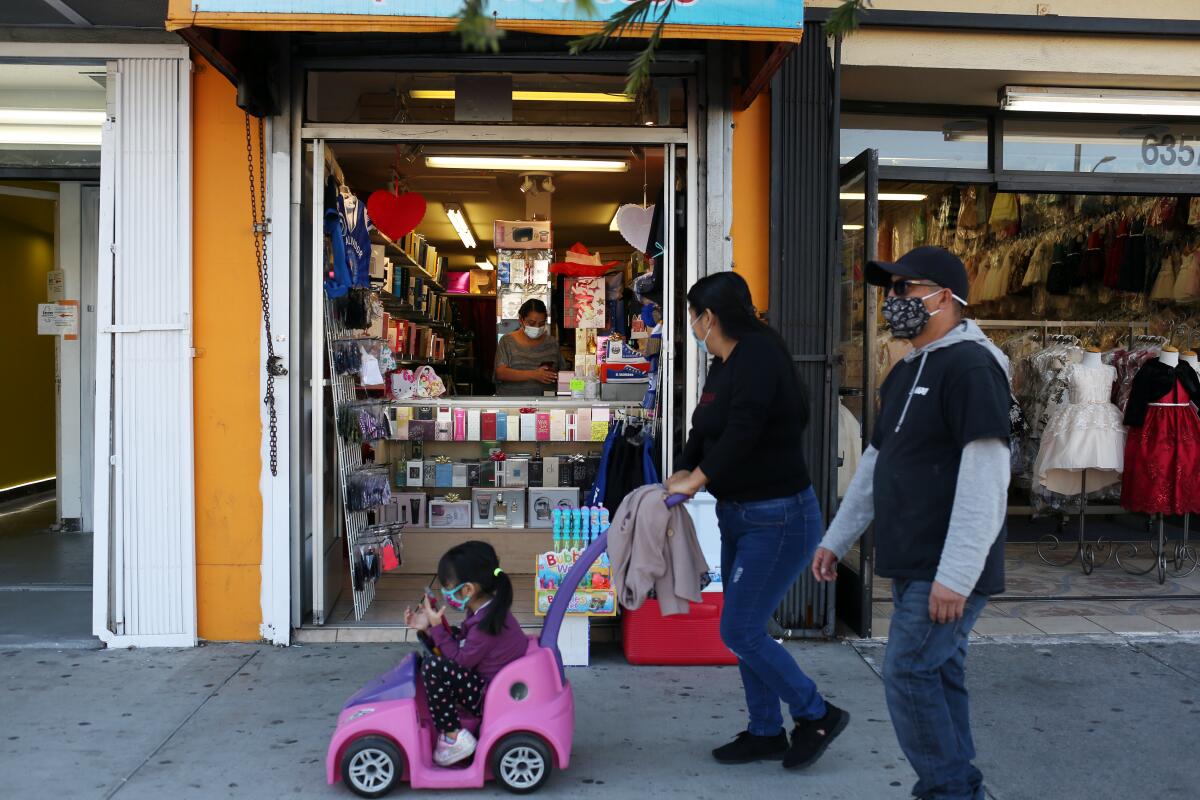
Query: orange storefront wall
(751, 228)
(226, 331)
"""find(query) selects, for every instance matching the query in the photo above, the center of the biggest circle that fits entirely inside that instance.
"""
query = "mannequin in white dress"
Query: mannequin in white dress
(1169, 356)
(1085, 437)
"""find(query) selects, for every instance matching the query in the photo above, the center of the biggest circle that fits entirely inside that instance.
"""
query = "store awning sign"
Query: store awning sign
(763, 20)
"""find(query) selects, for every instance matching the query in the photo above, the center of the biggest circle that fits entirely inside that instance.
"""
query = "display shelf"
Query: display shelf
(516, 547)
(378, 237)
(404, 311)
(420, 362)
(501, 401)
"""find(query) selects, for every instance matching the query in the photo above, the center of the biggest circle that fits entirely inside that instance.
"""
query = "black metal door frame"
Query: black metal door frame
(855, 582)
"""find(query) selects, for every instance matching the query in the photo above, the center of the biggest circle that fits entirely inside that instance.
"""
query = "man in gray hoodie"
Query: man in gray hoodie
(935, 483)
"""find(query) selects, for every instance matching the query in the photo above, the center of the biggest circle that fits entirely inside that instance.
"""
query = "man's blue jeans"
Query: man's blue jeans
(764, 547)
(923, 677)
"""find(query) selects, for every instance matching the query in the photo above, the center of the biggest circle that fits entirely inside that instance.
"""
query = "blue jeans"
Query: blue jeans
(765, 545)
(923, 678)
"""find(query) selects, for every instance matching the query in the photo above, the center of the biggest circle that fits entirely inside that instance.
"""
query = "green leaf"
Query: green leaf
(843, 21)
(477, 29)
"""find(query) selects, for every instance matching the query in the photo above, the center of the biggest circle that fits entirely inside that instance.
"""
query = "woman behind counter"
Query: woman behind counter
(528, 359)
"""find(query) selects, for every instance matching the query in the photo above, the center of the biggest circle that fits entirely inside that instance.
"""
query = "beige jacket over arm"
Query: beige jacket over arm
(654, 547)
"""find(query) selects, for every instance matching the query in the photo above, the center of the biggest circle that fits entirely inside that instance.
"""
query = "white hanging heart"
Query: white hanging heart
(633, 223)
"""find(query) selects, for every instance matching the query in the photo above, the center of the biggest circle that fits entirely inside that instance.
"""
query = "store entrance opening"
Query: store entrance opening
(48, 238)
(1082, 292)
(505, 342)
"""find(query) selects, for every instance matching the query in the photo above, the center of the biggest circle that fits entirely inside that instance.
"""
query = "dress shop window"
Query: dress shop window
(1126, 147)
(927, 142)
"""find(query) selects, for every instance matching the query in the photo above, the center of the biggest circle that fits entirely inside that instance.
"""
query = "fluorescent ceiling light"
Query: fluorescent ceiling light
(50, 116)
(485, 264)
(78, 135)
(526, 164)
(455, 214)
(852, 227)
(897, 196)
(530, 96)
(1100, 101)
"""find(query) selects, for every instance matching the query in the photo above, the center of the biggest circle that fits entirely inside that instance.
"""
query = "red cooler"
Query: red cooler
(682, 640)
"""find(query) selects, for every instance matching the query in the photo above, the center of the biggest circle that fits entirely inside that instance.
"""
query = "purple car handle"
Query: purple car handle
(570, 582)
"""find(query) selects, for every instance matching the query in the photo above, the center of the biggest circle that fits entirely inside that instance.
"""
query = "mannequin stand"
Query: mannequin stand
(1085, 551)
(1175, 566)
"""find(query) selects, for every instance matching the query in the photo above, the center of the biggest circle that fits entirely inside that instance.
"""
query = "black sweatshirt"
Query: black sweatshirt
(747, 430)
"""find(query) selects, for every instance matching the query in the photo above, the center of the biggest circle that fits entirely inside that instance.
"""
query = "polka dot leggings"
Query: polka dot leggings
(449, 687)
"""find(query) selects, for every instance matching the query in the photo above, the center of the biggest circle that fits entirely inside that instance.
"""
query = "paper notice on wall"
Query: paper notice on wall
(541, 270)
(55, 285)
(59, 319)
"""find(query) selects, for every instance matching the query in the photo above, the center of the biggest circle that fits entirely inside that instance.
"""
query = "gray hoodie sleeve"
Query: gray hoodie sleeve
(857, 509)
(980, 505)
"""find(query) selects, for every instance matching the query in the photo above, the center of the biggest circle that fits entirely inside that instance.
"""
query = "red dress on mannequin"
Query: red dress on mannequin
(1162, 458)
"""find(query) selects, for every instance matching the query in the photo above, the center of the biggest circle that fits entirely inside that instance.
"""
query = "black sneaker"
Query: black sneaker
(810, 737)
(747, 748)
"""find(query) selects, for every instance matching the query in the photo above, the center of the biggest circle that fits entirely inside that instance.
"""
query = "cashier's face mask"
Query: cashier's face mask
(534, 332)
(908, 316)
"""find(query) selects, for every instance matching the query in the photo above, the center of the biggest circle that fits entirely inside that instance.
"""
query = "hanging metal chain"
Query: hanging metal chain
(258, 217)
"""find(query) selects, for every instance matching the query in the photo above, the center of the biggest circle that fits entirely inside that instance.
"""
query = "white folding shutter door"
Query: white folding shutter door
(152, 516)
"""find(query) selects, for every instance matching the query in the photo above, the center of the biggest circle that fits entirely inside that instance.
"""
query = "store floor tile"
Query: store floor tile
(1130, 623)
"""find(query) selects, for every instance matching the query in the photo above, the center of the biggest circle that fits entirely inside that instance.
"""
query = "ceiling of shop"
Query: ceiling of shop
(52, 86)
(975, 87)
(84, 13)
(582, 205)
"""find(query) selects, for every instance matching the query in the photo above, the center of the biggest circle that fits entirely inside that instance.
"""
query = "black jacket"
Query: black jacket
(1154, 380)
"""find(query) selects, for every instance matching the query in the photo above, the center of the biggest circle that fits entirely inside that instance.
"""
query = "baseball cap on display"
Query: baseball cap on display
(934, 264)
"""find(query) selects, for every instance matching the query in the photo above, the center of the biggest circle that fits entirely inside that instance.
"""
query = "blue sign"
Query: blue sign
(729, 13)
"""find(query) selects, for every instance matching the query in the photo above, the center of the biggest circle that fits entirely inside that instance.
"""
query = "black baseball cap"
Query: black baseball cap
(935, 264)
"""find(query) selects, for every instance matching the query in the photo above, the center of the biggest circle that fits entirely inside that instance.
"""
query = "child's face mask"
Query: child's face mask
(453, 600)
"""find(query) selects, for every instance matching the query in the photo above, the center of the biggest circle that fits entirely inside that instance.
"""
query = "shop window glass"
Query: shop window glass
(910, 141)
(1124, 147)
(526, 99)
(51, 115)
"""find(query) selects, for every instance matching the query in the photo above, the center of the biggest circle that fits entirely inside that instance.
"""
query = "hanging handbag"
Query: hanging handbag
(402, 384)
(429, 385)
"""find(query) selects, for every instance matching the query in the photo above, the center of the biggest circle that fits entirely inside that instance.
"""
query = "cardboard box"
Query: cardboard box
(487, 426)
(474, 473)
(460, 424)
(624, 392)
(483, 502)
(549, 472)
(542, 426)
(516, 473)
(474, 424)
(501, 426)
(513, 501)
(528, 428)
(399, 417)
(429, 474)
(625, 372)
(411, 508)
(558, 425)
(421, 430)
(522, 235)
(458, 475)
(443, 474)
(543, 501)
(415, 474)
(446, 514)
(536, 466)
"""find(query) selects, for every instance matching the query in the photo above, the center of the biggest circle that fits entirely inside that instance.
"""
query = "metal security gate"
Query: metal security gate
(804, 156)
(145, 573)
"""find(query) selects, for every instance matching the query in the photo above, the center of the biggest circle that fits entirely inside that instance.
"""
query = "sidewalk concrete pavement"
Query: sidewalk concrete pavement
(1092, 719)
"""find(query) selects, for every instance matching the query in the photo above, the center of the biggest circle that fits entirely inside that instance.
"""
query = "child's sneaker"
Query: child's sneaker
(450, 752)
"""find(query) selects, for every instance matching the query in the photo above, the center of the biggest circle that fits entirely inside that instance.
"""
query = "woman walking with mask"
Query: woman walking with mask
(745, 448)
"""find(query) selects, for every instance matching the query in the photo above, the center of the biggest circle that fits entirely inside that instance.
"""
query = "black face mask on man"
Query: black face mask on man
(908, 316)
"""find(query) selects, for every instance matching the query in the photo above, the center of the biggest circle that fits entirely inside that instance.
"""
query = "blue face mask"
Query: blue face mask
(452, 599)
(701, 343)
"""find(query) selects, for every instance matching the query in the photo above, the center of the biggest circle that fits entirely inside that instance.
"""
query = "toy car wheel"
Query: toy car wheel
(521, 763)
(372, 766)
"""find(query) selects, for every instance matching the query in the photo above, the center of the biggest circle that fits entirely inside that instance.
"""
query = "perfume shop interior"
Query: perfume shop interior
(1095, 302)
(486, 342)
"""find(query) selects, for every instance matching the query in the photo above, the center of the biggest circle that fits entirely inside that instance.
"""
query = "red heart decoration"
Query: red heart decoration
(396, 216)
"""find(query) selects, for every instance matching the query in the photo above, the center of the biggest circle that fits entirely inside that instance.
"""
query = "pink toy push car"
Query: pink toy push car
(385, 735)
